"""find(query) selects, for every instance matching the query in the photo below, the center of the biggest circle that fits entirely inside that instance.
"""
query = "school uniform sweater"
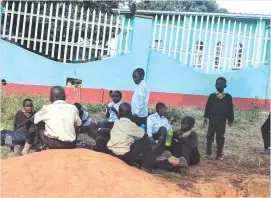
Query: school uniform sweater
(219, 107)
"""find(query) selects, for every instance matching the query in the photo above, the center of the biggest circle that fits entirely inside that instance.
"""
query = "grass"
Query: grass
(243, 140)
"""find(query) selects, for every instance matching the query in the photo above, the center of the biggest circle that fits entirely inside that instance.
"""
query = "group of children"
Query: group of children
(128, 132)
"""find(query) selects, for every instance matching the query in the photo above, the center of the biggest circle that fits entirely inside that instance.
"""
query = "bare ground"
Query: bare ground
(243, 172)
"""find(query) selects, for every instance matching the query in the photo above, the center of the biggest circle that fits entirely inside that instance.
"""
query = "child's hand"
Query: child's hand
(230, 124)
(205, 123)
(171, 119)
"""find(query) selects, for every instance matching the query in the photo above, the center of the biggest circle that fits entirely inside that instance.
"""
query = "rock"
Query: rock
(79, 172)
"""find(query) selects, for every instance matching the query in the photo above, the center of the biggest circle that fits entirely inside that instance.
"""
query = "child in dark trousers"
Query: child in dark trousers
(183, 148)
(16, 138)
(266, 136)
(219, 109)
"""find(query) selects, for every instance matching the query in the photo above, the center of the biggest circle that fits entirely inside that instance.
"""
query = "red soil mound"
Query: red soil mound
(79, 172)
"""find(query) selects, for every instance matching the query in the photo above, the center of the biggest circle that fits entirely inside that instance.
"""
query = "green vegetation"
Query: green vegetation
(11, 104)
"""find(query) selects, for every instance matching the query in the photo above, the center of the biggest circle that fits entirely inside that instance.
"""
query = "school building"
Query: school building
(182, 53)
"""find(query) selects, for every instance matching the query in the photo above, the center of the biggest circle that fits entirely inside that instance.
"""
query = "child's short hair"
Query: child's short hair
(160, 105)
(27, 100)
(140, 71)
(78, 106)
(190, 118)
(222, 78)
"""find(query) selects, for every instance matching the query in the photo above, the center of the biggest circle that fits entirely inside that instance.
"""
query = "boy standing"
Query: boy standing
(140, 98)
(219, 108)
(266, 136)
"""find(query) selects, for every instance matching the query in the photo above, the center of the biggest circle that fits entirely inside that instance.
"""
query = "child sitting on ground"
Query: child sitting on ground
(183, 148)
(84, 116)
(16, 138)
(112, 110)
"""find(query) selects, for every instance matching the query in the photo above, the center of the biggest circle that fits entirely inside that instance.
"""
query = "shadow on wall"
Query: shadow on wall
(167, 75)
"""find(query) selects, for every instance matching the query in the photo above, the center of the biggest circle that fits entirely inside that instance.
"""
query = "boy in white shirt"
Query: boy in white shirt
(59, 119)
(157, 128)
(112, 110)
(140, 98)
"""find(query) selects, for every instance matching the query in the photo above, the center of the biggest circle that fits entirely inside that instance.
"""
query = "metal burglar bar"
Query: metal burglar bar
(210, 42)
(64, 33)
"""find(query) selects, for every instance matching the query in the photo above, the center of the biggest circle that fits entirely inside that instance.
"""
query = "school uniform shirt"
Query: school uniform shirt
(155, 122)
(123, 135)
(60, 120)
(112, 116)
(140, 100)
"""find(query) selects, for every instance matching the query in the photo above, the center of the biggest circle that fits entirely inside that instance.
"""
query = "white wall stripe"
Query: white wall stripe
(177, 36)
(188, 40)
(205, 42)
(160, 32)
(183, 35)
(11, 21)
(73, 33)
(85, 37)
(154, 32)
(61, 32)
(18, 21)
(215, 44)
(231, 56)
(36, 27)
(67, 34)
(193, 41)
(24, 21)
(79, 37)
(171, 33)
(55, 27)
(49, 29)
(210, 45)
(165, 35)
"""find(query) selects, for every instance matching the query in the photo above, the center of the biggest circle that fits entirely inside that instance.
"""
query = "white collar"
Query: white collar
(59, 102)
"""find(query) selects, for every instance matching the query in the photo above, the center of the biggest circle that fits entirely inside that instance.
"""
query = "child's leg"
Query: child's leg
(221, 128)
(210, 137)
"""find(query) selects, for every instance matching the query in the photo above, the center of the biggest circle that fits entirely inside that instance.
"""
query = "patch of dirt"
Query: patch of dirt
(81, 172)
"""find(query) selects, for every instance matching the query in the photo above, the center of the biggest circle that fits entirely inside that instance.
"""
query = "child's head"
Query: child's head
(110, 93)
(116, 96)
(79, 108)
(28, 105)
(161, 109)
(57, 93)
(221, 84)
(138, 75)
(187, 123)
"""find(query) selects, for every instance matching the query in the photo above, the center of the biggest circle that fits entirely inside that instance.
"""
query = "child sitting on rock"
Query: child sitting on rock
(183, 148)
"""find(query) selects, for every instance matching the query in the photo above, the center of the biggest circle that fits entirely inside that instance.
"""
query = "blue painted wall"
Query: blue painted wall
(163, 74)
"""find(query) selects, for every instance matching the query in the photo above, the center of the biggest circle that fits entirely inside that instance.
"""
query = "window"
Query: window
(198, 54)
(237, 59)
(219, 48)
